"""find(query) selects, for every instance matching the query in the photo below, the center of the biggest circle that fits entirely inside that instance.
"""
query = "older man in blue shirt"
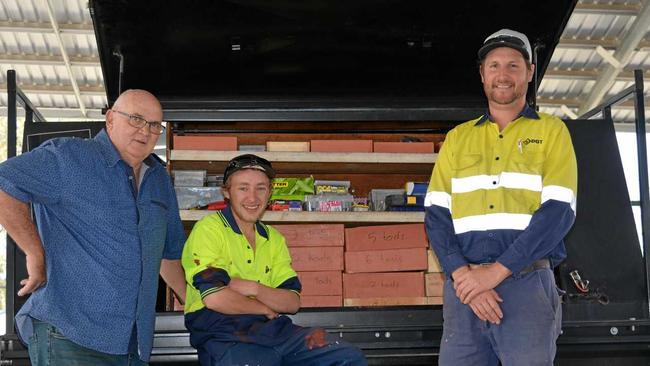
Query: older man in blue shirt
(107, 224)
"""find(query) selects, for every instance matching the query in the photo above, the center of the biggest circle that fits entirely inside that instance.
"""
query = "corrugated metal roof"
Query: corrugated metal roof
(576, 65)
(29, 46)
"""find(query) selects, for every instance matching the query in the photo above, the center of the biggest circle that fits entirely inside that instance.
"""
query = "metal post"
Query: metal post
(12, 115)
(533, 57)
(607, 113)
(643, 174)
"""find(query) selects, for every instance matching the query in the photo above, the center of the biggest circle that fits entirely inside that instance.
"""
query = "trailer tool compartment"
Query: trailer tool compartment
(306, 78)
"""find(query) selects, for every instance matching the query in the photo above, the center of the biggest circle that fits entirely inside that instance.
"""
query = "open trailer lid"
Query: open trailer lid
(240, 51)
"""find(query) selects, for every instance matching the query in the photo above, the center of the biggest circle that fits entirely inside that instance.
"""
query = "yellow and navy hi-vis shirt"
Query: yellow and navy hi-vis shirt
(216, 251)
(506, 196)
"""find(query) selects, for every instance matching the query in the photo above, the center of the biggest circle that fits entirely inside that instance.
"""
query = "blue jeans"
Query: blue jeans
(532, 319)
(295, 351)
(48, 347)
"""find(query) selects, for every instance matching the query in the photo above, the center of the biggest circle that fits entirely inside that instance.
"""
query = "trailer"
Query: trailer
(281, 71)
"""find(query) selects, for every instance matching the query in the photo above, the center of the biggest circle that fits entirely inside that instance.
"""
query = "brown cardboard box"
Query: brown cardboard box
(391, 284)
(205, 142)
(434, 300)
(341, 145)
(177, 305)
(287, 146)
(384, 301)
(385, 237)
(313, 235)
(433, 263)
(410, 259)
(317, 258)
(433, 283)
(404, 147)
(321, 283)
(317, 301)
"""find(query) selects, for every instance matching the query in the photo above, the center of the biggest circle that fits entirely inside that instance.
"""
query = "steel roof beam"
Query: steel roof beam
(64, 54)
(48, 60)
(591, 43)
(50, 113)
(606, 7)
(588, 74)
(59, 89)
(576, 103)
(38, 27)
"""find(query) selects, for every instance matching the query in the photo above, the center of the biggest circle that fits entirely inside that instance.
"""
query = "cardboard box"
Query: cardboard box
(205, 142)
(434, 283)
(177, 305)
(385, 301)
(391, 284)
(341, 145)
(328, 235)
(404, 147)
(433, 263)
(317, 258)
(287, 146)
(386, 237)
(321, 283)
(311, 301)
(410, 259)
(434, 300)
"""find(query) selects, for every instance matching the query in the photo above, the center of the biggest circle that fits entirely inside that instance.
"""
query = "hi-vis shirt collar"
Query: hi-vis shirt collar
(527, 112)
(229, 220)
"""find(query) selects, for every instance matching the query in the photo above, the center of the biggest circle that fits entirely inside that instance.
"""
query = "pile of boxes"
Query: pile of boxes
(317, 256)
(364, 266)
(229, 143)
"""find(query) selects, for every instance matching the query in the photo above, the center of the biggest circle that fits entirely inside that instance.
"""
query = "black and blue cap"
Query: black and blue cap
(506, 38)
(248, 161)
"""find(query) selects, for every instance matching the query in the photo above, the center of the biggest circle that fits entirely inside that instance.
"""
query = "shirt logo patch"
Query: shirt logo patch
(531, 141)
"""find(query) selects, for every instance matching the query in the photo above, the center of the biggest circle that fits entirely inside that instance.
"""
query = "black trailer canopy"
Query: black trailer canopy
(418, 51)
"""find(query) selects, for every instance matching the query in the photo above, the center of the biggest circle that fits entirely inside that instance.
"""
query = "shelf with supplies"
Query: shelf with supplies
(331, 217)
(370, 155)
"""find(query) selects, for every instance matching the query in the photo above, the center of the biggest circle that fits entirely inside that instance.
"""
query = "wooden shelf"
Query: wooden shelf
(351, 217)
(309, 157)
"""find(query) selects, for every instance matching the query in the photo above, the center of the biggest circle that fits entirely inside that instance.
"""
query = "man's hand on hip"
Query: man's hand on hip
(35, 272)
(478, 279)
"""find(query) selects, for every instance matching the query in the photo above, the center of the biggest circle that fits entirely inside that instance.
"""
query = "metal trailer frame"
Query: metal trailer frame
(406, 335)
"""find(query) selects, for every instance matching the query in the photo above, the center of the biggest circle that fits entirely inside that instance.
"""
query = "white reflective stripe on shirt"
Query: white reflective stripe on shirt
(559, 193)
(442, 199)
(492, 222)
(531, 182)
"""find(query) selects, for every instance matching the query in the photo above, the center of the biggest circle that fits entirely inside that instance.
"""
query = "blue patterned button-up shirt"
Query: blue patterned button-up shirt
(103, 240)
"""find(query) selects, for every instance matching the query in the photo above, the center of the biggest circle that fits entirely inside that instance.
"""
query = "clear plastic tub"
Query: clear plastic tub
(193, 197)
(189, 178)
(328, 202)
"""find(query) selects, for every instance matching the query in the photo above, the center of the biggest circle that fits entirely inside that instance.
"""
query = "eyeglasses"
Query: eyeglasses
(155, 127)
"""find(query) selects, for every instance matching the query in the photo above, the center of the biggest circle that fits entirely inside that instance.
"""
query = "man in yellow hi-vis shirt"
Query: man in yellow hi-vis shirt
(239, 279)
(501, 199)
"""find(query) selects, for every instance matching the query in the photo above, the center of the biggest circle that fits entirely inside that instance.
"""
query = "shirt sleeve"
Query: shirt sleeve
(205, 260)
(175, 233)
(552, 221)
(282, 270)
(437, 220)
(35, 176)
